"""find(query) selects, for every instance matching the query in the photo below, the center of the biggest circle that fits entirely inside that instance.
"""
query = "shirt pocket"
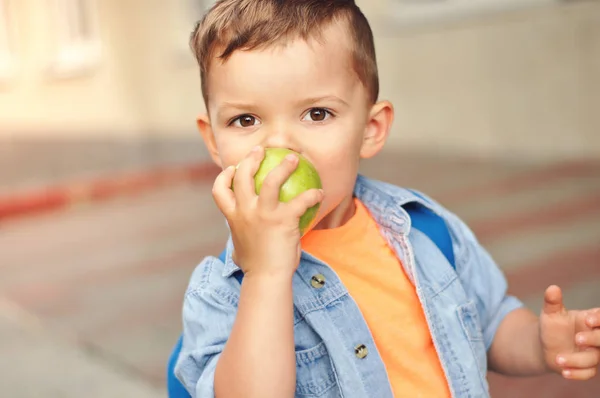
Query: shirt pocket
(469, 319)
(315, 376)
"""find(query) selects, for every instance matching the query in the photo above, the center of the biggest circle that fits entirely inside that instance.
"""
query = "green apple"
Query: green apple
(305, 177)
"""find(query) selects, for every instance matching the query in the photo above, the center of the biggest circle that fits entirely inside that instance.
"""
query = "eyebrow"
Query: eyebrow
(330, 98)
(237, 106)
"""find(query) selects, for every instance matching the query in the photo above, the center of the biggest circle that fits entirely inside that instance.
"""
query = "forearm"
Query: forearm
(260, 348)
(517, 348)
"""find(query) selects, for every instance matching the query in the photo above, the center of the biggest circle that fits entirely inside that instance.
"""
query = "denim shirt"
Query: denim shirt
(336, 355)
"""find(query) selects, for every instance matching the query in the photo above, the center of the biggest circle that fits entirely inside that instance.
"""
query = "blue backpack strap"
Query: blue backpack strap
(222, 255)
(174, 387)
(432, 225)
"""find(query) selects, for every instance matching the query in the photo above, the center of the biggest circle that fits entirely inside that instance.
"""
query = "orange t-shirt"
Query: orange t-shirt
(376, 280)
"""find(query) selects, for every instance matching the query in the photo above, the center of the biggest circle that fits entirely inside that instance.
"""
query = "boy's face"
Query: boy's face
(304, 96)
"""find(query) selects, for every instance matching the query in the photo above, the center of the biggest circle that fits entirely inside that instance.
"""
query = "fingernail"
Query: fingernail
(291, 158)
(592, 321)
(566, 373)
(256, 148)
(580, 339)
(561, 360)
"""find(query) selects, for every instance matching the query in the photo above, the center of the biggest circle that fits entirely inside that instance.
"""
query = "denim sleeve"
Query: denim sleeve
(482, 279)
(208, 315)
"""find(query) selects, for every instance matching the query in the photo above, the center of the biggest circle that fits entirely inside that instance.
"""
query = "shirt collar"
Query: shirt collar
(230, 266)
(386, 201)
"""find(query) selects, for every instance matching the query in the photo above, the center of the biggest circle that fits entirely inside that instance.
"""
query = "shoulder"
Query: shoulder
(370, 188)
(395, 197)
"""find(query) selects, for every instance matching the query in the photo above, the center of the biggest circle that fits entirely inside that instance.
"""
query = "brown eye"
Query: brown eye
(245, 121)
(318, 114)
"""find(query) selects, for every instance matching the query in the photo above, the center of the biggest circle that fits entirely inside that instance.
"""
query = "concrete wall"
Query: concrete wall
(521, 82)
(516, 83)
(158, 66)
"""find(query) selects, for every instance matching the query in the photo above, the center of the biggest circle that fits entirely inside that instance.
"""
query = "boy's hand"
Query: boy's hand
(265, 231)
(570, 339)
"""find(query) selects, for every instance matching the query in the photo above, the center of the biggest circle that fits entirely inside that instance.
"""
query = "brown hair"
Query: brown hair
(232, 25)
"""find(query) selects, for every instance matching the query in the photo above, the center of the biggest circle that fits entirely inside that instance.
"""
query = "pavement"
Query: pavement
(35, 364)
(91, 290)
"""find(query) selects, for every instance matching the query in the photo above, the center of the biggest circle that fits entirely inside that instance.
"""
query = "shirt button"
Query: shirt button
(318, 281)
(361, 351)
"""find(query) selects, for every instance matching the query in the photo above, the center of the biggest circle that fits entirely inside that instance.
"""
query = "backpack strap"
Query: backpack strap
(174, 387)
(222, 256)
(432, 225)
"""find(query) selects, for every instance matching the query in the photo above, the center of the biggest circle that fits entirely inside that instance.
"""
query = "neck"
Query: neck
(339, 216)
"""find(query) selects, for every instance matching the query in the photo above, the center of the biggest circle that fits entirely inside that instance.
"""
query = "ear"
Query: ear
(205, 129)
(378, 128)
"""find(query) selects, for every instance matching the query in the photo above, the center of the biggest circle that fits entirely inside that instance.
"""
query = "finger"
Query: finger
(553, 302)
(244, 175)
(269, 193)
(579, 374)
(593, 318)
(589, 339)
(305, 201)
(579, 360)
(222, 193)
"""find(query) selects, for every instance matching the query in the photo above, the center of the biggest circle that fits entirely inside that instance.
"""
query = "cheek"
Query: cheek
(338, 175)
(231, 150)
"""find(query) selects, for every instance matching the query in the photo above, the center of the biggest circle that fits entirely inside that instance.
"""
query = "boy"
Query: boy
(363, 305)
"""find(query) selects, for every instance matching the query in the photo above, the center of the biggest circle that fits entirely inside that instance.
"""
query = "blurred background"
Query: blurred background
(105, 205)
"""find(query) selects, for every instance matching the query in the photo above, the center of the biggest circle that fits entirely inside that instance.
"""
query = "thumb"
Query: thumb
(553, 301)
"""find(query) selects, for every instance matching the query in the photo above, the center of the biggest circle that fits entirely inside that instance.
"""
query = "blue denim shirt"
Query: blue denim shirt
(463, 308)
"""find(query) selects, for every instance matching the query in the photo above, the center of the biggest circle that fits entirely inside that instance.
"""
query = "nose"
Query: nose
(282, 137)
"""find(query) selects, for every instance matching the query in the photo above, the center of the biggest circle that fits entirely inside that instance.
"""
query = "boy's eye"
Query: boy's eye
(318, 115)
(244, 121)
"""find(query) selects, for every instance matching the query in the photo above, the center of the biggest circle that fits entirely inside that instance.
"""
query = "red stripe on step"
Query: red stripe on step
(45, 200)
(579, 207)
(566, 269)
(522, 181)
(57, 197)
